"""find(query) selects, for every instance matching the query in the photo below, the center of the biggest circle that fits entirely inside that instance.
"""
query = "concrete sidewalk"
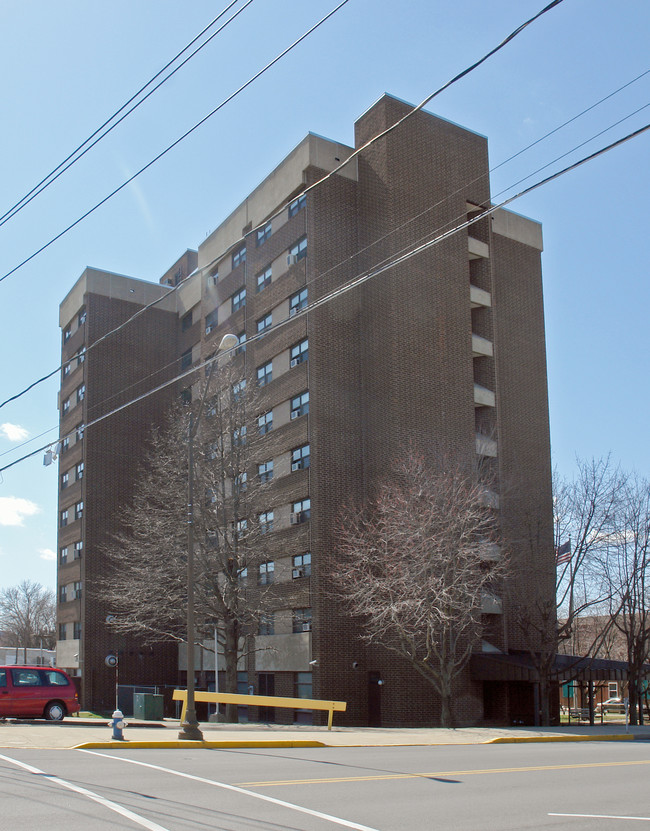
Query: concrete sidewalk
(77, 732)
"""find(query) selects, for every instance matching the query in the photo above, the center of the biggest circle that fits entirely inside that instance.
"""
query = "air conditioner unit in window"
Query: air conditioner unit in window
(293, 311)
(296, 465)
(295, 361)
(295, 519)
(295, 413)
(306, 627)
(292, 259)
(298, 572)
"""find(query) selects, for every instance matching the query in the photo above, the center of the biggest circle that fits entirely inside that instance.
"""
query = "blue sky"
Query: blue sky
(66, 66)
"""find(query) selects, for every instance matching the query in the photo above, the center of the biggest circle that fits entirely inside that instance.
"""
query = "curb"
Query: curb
(617, 737)
(110, 745)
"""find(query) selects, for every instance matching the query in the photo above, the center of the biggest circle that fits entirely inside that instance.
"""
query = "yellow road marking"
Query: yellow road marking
(436, 774)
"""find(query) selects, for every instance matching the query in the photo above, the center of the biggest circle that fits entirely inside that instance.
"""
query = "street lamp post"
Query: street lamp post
(190, 726)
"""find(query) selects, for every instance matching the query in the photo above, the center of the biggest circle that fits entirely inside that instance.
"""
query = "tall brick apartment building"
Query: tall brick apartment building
(445, 350)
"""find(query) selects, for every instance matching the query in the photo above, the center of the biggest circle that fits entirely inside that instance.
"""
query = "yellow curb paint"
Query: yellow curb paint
(530, 739)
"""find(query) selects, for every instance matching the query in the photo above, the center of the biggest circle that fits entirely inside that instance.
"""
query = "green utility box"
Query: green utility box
(147, 706)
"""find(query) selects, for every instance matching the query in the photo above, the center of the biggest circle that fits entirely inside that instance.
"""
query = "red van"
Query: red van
(36, 692)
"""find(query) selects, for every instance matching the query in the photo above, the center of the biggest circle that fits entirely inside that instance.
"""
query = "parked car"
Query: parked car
(612, 705)
(36, 692)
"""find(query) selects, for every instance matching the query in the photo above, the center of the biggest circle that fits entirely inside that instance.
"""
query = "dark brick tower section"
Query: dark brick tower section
(116, 371)
(391, 365)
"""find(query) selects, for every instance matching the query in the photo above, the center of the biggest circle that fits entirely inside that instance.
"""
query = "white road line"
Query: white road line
(328, 817)
(112, 806)
(600, 816)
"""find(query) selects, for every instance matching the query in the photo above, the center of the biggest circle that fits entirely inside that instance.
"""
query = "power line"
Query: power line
(179, 140)
(356, 282)
(97, 135)
(311, 187)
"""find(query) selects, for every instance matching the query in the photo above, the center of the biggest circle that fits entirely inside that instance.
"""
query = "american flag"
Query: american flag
(563, 553)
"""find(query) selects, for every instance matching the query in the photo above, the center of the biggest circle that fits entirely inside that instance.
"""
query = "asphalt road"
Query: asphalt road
(591, 785)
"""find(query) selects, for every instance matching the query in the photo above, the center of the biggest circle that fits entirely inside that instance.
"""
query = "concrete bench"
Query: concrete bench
(262, 701)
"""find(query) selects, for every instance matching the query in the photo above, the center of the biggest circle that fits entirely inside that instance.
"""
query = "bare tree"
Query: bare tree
(416, 564)
(626, 568)
(147, 588)
(28, 615)
(584, 508)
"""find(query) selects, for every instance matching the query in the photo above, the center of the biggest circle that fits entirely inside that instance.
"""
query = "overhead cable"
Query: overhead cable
(355, 283)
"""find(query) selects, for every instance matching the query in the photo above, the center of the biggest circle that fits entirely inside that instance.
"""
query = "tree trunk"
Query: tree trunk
(231, 655)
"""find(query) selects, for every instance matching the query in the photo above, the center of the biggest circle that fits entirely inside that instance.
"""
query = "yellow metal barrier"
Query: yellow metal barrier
(262, 701)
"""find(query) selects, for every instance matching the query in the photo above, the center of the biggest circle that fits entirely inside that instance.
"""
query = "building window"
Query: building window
(265, 471)
(81, 317)
(186, 359)
(77, 590)
(297, 302)
(79, 431)
(78, 510)
(264, 279)
(302, 620)
(76, 630)
(265, 423)
(263, 233)
(301, 565)
(265, 520)
(63, 627)
(63, 555)
(63, 594)
(266, 624)
(300, 352)
(79, 471)
(265, 374)
(65, 479)
(241, 527)
(239, 436)
(239, 256)
(186, 321)
(66, 406)
(64, 518)
(81, 356)
(241, 482)
(211, 320)
(65, 444)
(67, 369)
(300, 511)
(265, 322)
(242, 576)
(239, 300)
(265, 573)
(300, 457)
(78, 549)
(300, 405)
(81, 393)
(241, 339)
(238, 390)
(298, 251)
(67, 333)
(297, 205)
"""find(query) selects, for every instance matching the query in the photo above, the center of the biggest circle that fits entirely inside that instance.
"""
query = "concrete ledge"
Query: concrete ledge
(621, 737)
(185, 744)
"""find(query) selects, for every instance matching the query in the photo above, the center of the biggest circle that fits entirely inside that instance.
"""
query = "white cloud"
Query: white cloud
(13, 431)
(47, 554)
(13, 510)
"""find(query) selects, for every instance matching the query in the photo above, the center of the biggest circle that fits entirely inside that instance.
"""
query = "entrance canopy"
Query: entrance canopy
(519, 666)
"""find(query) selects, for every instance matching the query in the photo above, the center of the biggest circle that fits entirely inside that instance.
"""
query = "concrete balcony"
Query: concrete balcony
(491, 604)
(483, 397)
(481, 347)
(479, 298)
(485, 446)
(476, 249)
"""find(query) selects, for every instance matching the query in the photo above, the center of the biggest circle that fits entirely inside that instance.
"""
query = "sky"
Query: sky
(67, 66)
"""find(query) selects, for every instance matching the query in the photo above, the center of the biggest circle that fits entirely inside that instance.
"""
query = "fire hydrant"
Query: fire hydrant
(118, 724)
